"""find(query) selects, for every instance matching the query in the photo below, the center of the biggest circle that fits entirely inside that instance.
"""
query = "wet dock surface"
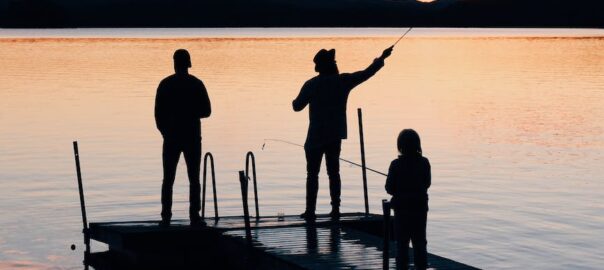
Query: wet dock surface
(289, 242)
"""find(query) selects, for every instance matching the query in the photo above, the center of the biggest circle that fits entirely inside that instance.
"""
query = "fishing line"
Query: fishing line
(399, 39)
(345, 160)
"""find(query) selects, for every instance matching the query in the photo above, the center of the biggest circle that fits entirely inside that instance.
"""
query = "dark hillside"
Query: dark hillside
(308, 13)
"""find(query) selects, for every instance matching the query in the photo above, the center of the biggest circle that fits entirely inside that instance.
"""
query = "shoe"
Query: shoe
(308, 215)
(164, 223)
(197, 222)
(335, 213)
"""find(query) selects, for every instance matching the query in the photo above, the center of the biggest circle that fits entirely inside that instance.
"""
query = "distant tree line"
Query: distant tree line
(303, 13)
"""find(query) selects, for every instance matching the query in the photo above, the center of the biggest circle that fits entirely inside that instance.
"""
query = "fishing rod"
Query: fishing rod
(345, 160)
(399, 39)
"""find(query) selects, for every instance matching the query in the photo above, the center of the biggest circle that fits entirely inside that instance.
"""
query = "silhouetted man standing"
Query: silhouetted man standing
(326, 95)
(180, 102)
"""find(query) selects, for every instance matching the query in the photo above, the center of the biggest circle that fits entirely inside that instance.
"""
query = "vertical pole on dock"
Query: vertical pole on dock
(386, 250)
(82, 203)
(363, 167)
(246, 214)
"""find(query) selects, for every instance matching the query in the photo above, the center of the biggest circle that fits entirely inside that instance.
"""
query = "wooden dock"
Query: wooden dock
(353, 242)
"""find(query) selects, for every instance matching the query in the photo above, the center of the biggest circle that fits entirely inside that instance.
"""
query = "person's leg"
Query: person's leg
(192, 153)
(418, 239)
(332, 161)
(401, 232)
(313, 166)
(170, 156)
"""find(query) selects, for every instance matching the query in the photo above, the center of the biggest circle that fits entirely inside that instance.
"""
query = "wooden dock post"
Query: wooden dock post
(363, 165)
(246, 214)
(386, 250)
(82, 204)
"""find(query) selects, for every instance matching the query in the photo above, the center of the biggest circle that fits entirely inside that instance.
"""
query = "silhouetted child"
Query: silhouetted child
(408, 181)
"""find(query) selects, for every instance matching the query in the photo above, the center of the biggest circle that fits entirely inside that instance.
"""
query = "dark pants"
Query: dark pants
(411, 225)
(314, 155)
(171, 154)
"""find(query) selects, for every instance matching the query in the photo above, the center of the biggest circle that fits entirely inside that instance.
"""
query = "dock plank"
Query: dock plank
(331, 248)
(353, 242)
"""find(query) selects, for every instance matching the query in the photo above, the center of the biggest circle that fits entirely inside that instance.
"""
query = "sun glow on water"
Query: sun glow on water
(511, 125)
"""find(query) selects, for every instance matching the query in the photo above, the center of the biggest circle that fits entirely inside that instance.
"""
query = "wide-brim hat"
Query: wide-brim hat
(325, 56)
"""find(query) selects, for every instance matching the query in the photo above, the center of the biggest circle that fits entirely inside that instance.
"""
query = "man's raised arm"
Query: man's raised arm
(356, 78)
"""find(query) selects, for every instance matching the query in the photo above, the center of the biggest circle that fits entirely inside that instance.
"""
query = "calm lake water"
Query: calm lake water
(512, 121)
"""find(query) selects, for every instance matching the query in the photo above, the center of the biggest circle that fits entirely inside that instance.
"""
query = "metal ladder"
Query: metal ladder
(250, 156)
(205, 172)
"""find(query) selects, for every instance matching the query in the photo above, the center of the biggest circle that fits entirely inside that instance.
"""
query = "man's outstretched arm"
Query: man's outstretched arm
(356, 78)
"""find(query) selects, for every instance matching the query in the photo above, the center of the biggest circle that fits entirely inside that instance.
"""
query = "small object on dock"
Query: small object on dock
(73, 246)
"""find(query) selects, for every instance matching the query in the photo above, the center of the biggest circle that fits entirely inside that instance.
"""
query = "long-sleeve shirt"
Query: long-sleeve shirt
(180, 102)
(327, 96)
(408, 181)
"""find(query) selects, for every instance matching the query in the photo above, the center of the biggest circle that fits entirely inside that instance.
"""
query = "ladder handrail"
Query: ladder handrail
(247, 175)
(205, 171)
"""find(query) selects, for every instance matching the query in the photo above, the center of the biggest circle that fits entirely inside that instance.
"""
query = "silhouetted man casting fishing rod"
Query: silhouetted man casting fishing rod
(327, 95)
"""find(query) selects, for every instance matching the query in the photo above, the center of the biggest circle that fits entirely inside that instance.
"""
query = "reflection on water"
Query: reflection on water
(23, 265)
(513, 128)
(332, 247)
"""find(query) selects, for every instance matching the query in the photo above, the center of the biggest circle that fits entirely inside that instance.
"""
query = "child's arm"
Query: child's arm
(391, 179)
(428, 174)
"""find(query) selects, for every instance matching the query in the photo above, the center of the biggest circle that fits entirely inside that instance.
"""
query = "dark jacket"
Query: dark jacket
(180, 102)
(408, 181)
(327, 96)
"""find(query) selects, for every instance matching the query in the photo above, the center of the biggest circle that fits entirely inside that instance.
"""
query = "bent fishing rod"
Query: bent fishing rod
(345, 160)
